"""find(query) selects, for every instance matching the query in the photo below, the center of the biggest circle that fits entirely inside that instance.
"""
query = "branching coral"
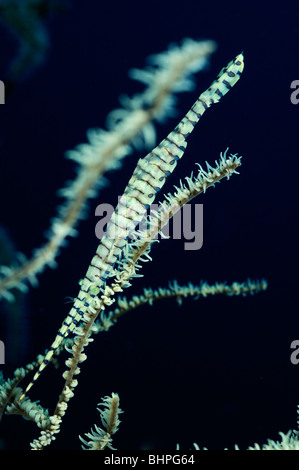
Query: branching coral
(123, 247)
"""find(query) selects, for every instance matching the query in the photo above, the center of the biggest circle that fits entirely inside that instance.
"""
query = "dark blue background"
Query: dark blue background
(215, 371)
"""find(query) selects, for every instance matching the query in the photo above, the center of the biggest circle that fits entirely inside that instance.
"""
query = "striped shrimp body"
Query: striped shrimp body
(148, 178)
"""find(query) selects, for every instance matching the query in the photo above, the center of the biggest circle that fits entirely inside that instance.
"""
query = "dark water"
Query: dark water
(216, 371)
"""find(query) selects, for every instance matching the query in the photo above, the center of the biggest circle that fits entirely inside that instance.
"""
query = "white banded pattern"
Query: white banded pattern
(148, 178)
